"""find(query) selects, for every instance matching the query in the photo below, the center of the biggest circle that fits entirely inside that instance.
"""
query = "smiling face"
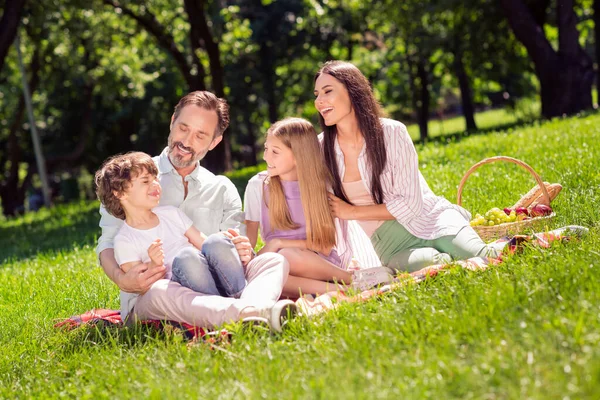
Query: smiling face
(143, 192)
(280, 159)
(192, 136)
(332, 100)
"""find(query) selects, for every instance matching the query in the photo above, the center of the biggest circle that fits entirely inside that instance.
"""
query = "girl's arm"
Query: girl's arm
(252, 231)
(195, 237)
(343, 210)
(278, 244)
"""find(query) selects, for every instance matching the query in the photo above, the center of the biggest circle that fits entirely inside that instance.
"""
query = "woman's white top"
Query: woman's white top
(405, 192)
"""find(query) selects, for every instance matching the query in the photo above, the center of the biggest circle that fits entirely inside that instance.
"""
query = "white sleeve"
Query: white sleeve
(125, 250)
(253, 198)
(110, 226)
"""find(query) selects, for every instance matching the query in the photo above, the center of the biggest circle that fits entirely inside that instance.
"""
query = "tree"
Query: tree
(566, 75)
(200, 38)
(9, 24)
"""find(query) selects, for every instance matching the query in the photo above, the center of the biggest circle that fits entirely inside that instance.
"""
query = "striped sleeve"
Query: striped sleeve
(405, 198)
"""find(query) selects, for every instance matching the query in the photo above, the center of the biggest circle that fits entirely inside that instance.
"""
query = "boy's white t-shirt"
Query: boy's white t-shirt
(132, 244)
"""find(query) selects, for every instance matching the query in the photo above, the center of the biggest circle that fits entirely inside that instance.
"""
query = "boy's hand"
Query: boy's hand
(156, 254)
(242, 245)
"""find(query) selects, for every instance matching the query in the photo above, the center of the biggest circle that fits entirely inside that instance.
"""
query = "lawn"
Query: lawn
(529, 328)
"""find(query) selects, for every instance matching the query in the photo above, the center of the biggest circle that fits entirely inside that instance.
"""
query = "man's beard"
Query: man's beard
(179, 161)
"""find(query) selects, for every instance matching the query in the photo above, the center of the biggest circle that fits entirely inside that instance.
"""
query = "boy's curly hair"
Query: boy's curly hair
(115, 176)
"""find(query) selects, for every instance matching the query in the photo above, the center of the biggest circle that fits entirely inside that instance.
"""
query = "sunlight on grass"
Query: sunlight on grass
(529, 328)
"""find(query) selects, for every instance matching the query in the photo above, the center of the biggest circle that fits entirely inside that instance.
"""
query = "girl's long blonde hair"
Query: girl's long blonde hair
(313, 178)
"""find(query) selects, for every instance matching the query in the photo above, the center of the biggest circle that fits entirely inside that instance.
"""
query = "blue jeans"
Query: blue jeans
(214, 270)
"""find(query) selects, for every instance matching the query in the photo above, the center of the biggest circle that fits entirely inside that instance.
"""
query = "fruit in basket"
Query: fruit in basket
(522, 211)
(540, 210)
(494, 216)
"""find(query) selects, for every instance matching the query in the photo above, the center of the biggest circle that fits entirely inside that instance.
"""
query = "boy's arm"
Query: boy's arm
(195, 237)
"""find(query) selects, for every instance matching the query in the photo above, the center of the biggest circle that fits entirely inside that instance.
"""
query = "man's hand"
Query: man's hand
(137, 279)
(339, 208)
(156, 254)
(242, 245)
(140, 277)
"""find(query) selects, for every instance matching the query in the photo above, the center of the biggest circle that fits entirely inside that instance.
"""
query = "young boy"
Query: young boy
(128, 187)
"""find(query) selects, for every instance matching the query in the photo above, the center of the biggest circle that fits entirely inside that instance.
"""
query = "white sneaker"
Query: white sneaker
(275, 317)
(368, 278)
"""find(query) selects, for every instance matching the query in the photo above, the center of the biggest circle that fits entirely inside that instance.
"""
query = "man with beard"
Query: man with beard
(213, 204)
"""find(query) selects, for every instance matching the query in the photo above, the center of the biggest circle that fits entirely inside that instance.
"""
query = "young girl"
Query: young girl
(376, 178)
(289, 203)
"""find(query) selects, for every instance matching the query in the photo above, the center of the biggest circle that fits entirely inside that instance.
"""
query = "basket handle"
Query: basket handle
(496, 159)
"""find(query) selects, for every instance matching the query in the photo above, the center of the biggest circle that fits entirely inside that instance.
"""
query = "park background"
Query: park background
(104, 75)
(471, 79)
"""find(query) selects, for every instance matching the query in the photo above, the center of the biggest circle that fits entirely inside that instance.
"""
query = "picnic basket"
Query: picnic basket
(488, 233)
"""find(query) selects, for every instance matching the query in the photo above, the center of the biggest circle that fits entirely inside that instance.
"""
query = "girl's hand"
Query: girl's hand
(242, 245)
(339, 208)
(156, 254)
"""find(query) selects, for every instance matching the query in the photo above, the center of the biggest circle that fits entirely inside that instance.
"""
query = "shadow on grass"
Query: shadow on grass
(458, 136)
(62, 228)
(106, 336)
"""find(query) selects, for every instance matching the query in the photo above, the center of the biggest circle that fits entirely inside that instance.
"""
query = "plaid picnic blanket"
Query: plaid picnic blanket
(310, 306)
(103, 316)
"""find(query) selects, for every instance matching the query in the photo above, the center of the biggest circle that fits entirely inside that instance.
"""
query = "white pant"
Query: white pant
(167, 300)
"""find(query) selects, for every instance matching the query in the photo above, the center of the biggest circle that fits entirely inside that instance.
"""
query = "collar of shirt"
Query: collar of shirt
(165, 167)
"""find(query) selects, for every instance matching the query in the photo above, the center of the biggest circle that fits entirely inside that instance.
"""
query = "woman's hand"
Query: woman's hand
(339, 208)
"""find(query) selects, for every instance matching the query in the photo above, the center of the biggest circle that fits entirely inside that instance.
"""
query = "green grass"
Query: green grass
(485, 120)
(529, 328)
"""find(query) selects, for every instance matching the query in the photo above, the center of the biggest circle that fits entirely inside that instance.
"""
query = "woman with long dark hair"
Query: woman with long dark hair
(376, 178)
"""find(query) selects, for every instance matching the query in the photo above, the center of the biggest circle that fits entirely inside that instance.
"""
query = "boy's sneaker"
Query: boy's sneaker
(364, 279)
(275, 317)
(281, 313)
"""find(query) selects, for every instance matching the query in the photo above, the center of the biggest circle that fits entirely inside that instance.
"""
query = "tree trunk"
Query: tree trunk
(566, 76)
(465, 92)
(423, 110)
(9, 25)
(11, 193)
(597, 42)
(268, 72)
(415, 98)
(219, 159)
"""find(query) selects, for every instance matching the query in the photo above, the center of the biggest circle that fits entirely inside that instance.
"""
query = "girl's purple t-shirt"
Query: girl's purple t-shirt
(291, 190)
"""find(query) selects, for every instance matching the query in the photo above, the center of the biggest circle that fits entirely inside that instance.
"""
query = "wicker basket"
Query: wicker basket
(510, 228)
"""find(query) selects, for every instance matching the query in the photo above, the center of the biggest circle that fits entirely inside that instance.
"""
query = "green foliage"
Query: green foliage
(525, 329)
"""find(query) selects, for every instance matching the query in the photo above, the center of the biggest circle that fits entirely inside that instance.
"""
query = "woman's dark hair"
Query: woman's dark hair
(368, 112)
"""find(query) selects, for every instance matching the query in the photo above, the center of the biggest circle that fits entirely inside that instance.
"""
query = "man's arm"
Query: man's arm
(233, 216)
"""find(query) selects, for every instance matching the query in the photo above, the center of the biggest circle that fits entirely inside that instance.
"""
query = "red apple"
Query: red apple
(522, 210)
(540, 210)
(507, 211)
